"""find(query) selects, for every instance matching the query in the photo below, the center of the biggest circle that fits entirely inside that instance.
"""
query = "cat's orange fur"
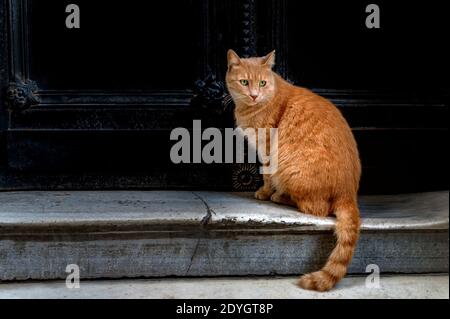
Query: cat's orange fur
(318, 161)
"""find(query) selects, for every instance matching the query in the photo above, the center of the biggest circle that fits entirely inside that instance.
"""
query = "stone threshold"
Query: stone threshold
(351, 287)
(129, 234)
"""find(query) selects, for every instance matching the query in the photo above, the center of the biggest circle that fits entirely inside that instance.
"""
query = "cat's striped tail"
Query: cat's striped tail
(347, 234)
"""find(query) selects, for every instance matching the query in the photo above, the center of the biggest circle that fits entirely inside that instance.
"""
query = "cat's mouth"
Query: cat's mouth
(253, 102)
(247, 100)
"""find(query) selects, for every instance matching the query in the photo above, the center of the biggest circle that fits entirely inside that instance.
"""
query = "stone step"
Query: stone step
(131, 234)
(352, 287)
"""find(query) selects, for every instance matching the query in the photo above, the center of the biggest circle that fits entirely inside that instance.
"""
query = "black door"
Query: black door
(94, 107)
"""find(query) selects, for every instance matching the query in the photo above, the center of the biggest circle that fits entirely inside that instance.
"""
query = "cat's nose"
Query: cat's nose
(254, 96)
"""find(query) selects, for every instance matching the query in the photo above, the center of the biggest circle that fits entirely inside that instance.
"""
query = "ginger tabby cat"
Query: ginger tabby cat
(318, 161)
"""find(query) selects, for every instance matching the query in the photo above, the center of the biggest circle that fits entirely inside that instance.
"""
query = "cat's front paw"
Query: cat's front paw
(263, 193)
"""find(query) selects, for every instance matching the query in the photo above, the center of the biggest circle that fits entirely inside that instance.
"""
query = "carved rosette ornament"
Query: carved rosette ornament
(246, 177)
(211, 94)
(21, 95)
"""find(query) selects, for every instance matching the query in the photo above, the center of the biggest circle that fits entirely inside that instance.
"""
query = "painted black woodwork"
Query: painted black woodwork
(93, 108)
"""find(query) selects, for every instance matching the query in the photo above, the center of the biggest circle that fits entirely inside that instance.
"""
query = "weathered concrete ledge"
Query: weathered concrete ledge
(158, 234)
(352, 287)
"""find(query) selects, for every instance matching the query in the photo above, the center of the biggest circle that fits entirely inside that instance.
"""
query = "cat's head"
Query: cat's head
(251, 81)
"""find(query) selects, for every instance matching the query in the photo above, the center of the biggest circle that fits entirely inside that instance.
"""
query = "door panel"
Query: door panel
(138, 46)
(94, 107)
(329, 45)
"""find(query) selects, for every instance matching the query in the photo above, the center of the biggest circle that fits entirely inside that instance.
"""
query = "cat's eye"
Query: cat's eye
(262, 83)
(244, 82)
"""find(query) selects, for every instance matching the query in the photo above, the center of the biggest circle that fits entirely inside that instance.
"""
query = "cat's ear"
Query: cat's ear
(269, 60)
(233, 58)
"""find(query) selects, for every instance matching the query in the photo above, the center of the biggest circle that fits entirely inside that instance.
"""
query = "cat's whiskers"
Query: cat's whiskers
(240, 98)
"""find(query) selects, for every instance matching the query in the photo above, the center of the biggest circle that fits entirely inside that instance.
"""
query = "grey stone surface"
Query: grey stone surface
(158, 234)
(398, 287)
(410, 211)
(84, 208)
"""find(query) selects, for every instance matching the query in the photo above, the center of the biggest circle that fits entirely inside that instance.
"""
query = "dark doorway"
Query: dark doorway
(93, 108)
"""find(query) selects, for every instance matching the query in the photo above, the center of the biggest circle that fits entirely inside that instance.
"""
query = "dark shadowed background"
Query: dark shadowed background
(107, 95)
